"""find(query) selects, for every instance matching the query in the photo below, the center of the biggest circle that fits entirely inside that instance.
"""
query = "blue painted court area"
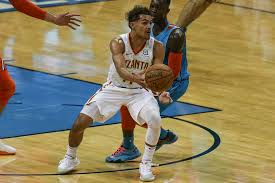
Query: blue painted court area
(47, 103)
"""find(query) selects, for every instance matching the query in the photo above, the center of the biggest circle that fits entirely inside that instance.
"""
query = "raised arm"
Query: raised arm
(192, 10)
(28, 8)
(117, 48)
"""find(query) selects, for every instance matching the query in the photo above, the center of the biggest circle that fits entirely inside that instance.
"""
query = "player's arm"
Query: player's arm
(176, 43)
(159, 53)
(117, 48)
(28, 8)
(192, 10)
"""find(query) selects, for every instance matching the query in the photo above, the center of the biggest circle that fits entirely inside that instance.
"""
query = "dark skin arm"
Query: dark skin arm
(192, 10)
(176, 41)
(175, 44)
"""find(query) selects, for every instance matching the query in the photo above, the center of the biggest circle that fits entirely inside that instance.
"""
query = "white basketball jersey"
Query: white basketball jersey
(135, 62)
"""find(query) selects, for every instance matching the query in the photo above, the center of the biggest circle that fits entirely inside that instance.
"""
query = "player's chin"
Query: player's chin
(147, 36)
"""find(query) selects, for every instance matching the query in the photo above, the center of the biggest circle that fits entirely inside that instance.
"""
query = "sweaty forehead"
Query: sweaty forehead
(145, 18)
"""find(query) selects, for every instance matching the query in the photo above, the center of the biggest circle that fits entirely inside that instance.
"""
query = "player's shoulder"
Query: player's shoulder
(157, 43)
(172, 26)
(117, 43)
(177, 32)
(175, 27)
(158, 46)
(176, 40)
(117, 39)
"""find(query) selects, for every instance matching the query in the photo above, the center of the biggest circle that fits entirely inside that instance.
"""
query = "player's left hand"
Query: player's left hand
(165, 98)
(67, 19)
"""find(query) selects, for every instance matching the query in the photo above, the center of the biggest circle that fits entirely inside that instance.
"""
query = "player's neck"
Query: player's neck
(160, 26)
(136, 42)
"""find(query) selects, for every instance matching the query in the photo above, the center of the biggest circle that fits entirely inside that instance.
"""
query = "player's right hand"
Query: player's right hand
(140, 79)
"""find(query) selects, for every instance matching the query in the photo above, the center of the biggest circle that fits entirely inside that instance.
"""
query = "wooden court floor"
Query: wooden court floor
(232, 65)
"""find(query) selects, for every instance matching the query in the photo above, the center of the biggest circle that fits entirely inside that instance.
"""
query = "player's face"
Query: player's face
(159, 10)
(142, 26)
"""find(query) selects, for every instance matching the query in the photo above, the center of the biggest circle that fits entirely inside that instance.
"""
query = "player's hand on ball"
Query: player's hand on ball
(140, 79)
(165, 98)
(142, 83)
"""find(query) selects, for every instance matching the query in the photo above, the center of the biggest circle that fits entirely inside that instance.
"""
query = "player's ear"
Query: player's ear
(131, 25)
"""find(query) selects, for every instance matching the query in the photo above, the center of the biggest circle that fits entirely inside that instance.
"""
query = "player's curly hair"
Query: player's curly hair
(134, 14)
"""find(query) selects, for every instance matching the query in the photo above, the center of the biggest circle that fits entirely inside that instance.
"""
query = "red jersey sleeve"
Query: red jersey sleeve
(28, 8)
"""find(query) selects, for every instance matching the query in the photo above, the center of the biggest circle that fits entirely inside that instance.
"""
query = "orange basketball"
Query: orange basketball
(159, 77)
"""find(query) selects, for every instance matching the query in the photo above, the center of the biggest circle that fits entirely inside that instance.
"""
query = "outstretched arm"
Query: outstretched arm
(28, 8)
(192, 10)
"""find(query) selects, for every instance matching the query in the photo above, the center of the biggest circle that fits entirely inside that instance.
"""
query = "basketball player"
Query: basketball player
(173, 38)
(132, 54)
(7, 86)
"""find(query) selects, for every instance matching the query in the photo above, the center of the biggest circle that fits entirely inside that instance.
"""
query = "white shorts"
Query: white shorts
(107, 101)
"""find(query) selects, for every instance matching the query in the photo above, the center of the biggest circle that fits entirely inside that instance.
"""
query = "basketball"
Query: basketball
(159, 77)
